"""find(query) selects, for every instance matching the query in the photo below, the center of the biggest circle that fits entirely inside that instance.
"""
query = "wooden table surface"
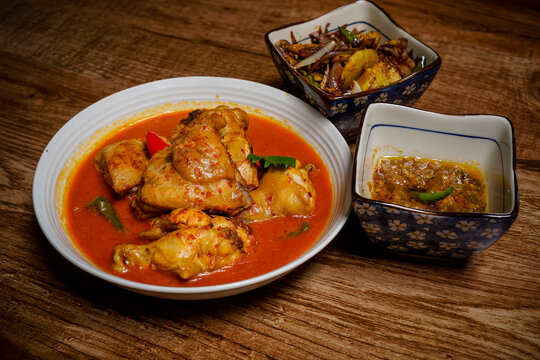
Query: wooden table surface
(352, 300)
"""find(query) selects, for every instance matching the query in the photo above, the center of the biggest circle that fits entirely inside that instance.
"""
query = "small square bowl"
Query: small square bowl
(346, 111)
(485, 141)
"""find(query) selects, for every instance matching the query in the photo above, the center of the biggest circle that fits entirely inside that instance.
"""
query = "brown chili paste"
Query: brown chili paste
(395, 177)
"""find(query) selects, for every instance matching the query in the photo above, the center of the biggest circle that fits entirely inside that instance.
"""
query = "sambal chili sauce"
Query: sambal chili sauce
(394, 177)
(96, 238)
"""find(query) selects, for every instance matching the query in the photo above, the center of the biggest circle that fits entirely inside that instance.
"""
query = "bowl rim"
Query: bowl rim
(436, 63)
(196, 292)
(357, 197)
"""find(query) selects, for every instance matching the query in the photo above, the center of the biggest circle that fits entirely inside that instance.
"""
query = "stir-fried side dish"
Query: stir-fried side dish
(173, 210)
(429, 184)
(346, 61)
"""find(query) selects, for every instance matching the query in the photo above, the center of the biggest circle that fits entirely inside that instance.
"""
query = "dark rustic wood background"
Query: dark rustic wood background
(352, 300)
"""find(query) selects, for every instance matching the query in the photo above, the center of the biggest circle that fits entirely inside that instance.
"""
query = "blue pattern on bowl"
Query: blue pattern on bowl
(426, 234)
(346, 113)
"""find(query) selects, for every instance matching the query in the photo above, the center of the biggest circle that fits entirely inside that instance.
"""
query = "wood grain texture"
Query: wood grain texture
(353, 300)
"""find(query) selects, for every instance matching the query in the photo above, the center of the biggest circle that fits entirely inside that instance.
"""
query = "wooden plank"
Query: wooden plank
(353, 300)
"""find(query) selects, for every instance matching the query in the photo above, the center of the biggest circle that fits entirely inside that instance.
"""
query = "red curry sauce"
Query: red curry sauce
(97, 238)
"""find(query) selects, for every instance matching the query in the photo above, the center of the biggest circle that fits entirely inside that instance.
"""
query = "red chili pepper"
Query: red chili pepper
(154, 143)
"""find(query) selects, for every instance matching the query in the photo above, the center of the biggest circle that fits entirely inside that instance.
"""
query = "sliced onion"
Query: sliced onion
(334, 75)
(319, 54)
(355, 88)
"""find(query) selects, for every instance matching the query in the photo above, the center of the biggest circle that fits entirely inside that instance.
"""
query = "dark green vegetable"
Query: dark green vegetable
(103, 206)
(420, 64)
(266, 161)
(303, 228)
(310, 78)
(312, 81)
(350, 37)
(431, 197)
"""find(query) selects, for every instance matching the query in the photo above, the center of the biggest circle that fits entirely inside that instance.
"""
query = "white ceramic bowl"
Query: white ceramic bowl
(78, 135)
(485, 141)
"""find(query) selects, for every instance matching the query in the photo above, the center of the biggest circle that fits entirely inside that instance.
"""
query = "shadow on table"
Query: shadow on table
(353, 241)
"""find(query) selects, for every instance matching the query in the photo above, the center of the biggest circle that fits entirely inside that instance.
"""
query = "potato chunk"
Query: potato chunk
(370, 39)
(359, 61)
(379, 75)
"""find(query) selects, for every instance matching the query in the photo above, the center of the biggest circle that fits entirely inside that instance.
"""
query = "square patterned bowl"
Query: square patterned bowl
(486, 141)
(346, 111)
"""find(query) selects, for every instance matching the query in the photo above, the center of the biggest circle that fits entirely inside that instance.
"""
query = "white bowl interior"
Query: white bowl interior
(484, 141)
(362, 15)
(83, 130)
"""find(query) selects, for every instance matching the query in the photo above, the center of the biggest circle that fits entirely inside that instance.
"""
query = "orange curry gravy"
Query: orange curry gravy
(97, 238)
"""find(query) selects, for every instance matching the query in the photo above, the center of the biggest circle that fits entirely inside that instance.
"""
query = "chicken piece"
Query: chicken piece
(200, 243)
(164, 188)
(282, 192)
(195, 171)
(379, 75)
(123, 164)
(231, 125)
(164, 224)
(199, 155)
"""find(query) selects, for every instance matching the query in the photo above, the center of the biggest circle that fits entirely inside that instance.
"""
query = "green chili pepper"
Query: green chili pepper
(350, 36)
(312, 81)
(104, 207)
(310, 78)
(431, 197)
(303, 228)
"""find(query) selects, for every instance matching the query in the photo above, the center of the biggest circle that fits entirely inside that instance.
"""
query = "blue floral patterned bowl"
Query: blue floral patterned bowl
(485, 141)
(346, 111)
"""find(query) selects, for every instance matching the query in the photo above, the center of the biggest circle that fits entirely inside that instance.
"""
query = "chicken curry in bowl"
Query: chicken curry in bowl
(196, 198)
